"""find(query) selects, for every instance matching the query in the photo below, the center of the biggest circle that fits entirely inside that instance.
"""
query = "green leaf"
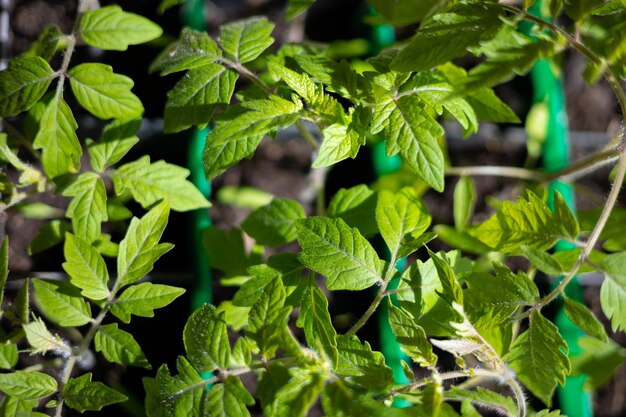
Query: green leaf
(580, 9)
(227, 249)
(103, 93)
(142, 299)
(318, 327)
(194, 49)
(447, 37)
(539, 357)
(117, 138)
(22, 303)
(543, 261)
(296, 7)
(140, 248)
(411, 337)
(49, 235)
(46, 44)
(404, 12)
(23, 83)
(268, 318)
(493, 299)
(362, 365)
(88, 208)
(27, 385)
(613, 290)
(240, 130)
(120, 347)
(197, 95)
(356, 206)
(341, 141)
(168, 395)
(489, 108)
(340, 401)
(57, 138)
(411, 131)
(86, 268)
(229, 399)
(598, 361)
(245, 40)
(583, 318)
(81, 394)
(13, 406)
(334, 249)
(206, 339)
(149, 183)
(167, 4)
(527, 222)
(242, 353)
(111, 28)
(464, 202)
(289, 393)
(42, 341)
(402, 218)
(61, 303)
(4, 267)
(484, 398)
(8, 355)
(275, 223)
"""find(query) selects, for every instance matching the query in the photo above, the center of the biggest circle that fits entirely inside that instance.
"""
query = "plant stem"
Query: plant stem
(449, 375)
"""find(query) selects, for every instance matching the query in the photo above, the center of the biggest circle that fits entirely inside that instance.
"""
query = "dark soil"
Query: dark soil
(282, 168)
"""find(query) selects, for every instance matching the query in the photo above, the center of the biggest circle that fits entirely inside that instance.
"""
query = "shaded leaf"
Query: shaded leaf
(27, 385)
(142, 299)
(275, 223)
(245, 40)
(315, 319)
(206, 339)
(88, 208)
(81, 394)
(61, 302)
(23, 83)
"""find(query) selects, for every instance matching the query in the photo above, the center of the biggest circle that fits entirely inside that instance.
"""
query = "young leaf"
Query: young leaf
(539, 357)
(242, 353)
(318, 326)
(194, 99)
(268, 318)
(240, 130)
(140, 249)
(46, 44)
(579, 9)
(4, 267)
(356, 206)
(206, 339)
(88, 208)
(341, 141)
(227, 249)
(274, 224)
(289, 393)
(245, 40)
(362, 365)
(193, 50)
(168, 395)
(27, 385)
(340, 401)
(117, 138)
(583, 318)
(485, 398)
(402, 218)
(23, 83)
(57, 138)
(167, 4)
(543, 261)
(229, 399)
(464, 201)
(120, 347)
(527, 222)
(448, 37)
(22, 303)
(598, 361)
(402, 13)
(613, 290)
(149, 183)
(49, 235)
(142, 299)
(411, 337)
(8, 355)
(41, 340)
(334, 249)
(81, 394)
(61, 303)
(112, 28)
(103, 93)
(86, 268)
(411, 131)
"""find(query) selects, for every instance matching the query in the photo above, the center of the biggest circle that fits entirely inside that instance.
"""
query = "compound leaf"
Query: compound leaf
(120, 347)
(151, 182)
(81, 394)
(103, 93)
(142, 299)
(206, 339)
(334, 249)
(112, 28)
(23, 83)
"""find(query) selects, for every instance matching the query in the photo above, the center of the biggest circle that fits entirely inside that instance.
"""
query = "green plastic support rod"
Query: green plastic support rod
(548, 89)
